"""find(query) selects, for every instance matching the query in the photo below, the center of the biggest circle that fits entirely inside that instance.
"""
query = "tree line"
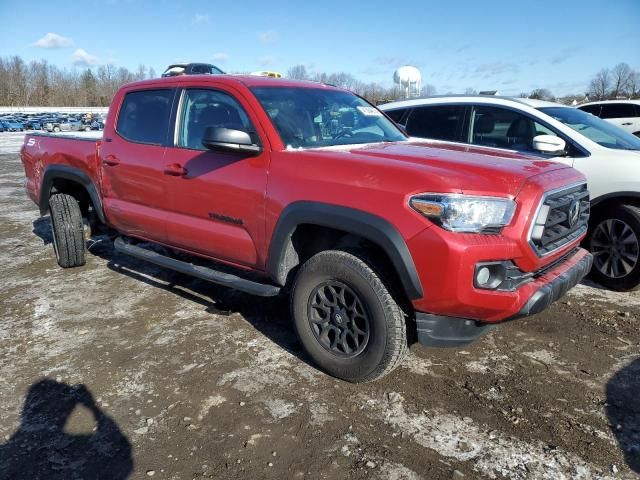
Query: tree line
(39, 83)
(373, 92)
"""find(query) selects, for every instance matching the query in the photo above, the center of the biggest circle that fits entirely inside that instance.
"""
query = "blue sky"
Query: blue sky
(506, 45)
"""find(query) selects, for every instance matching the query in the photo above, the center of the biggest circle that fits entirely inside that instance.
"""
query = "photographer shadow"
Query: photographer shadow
(623, 411)
(42, 448)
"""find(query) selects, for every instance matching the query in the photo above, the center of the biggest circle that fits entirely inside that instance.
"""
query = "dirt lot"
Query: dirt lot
(121, 370)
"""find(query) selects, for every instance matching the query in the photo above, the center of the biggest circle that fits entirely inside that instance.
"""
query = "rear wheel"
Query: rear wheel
(56, 129)
(346, 318)
(614, 241)
(67, 229)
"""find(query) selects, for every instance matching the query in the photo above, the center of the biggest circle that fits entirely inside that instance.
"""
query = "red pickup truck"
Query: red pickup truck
(270, 185)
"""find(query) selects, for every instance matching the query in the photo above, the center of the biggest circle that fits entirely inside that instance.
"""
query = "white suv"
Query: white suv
(608, 156)
(623, 113)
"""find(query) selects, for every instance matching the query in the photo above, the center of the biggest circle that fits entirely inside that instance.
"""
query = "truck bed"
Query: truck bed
(73, 149)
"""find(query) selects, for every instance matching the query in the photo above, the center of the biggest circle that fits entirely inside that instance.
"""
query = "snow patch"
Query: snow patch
(209, 403)
(280, 409)
(491, 454)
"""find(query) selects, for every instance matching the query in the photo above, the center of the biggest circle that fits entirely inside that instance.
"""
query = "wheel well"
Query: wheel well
(601, 207)
(309, 239)
(76, 190)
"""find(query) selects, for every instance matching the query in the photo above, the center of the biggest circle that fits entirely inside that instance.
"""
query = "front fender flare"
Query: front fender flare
(371, 227)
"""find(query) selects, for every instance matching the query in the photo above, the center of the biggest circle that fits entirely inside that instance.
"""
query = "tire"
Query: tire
(616, 265)
(67, 230)
(380, 342)
(56, 129)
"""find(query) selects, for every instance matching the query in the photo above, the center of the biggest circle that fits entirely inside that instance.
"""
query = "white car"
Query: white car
(608, 156)
(623, 113)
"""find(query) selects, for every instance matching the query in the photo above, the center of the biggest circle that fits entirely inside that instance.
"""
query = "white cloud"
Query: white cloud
(201, 18)
(82, 58)
(220, 57)
(53, 40)
(270, 36)
(266, 60)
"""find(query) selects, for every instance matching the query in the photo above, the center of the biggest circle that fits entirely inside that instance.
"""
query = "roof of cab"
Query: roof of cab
(246, 80)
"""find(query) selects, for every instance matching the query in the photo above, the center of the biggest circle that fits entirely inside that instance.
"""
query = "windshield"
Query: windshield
(316, 117)
(594, 128)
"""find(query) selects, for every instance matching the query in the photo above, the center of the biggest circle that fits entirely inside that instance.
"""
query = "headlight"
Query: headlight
(464, 213)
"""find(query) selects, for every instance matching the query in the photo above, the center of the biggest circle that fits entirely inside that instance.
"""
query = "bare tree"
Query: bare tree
(634, 85)
(428, 90)
(600, 85)
(298, 72)
(621, 76)
(542, 94)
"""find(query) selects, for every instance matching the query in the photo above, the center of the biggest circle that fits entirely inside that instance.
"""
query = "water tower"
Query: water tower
(410, 79)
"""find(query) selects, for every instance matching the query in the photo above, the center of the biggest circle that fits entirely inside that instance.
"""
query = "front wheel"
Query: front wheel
(56, 129)
(346, 318)
(614, 241)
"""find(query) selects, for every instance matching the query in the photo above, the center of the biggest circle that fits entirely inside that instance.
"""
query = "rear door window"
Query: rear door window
(439, 122)
(396, 115)
(504, 128)
(593, 109)
(618, 110)
(144, 116)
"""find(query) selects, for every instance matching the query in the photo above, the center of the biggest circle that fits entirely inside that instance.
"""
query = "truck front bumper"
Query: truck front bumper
(447, 331)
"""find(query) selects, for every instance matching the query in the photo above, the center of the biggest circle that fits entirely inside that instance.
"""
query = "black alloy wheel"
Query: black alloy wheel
(338, 319)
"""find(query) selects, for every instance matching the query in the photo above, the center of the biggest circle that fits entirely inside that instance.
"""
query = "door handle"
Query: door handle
(111, 160)
(175, 170)
(627, 123)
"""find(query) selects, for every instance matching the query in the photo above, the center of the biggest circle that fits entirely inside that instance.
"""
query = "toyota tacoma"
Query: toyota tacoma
(272, 186)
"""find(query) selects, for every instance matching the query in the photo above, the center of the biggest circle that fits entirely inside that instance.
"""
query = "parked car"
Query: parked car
(11, 125)
(608, 156)
(266, 73)
(62, 125)
(623, 113)
(32, 124)
(191, 69)
(310, 190)
(96, 125)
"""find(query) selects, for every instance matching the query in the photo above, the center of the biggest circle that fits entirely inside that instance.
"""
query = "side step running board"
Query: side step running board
(204, 273)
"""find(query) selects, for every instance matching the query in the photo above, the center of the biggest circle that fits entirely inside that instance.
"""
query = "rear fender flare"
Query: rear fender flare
(76, 175)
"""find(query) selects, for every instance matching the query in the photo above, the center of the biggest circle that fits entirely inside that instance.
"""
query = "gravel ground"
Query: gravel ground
(121, 370)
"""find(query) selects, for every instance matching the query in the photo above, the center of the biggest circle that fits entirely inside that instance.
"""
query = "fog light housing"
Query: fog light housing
(489, 275)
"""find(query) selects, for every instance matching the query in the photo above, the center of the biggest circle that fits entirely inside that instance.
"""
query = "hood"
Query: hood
(454, 168)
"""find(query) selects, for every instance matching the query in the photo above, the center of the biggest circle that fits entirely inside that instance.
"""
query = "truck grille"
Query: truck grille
(562, 217)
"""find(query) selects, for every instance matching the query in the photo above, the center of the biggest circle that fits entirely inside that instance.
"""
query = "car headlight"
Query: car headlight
(465, 213)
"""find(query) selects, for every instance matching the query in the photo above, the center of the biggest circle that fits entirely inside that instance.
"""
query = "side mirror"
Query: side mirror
(229, 140)
(549, 144)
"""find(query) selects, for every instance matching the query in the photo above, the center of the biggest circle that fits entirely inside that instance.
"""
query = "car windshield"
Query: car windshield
(318, 117)
(594, 128)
